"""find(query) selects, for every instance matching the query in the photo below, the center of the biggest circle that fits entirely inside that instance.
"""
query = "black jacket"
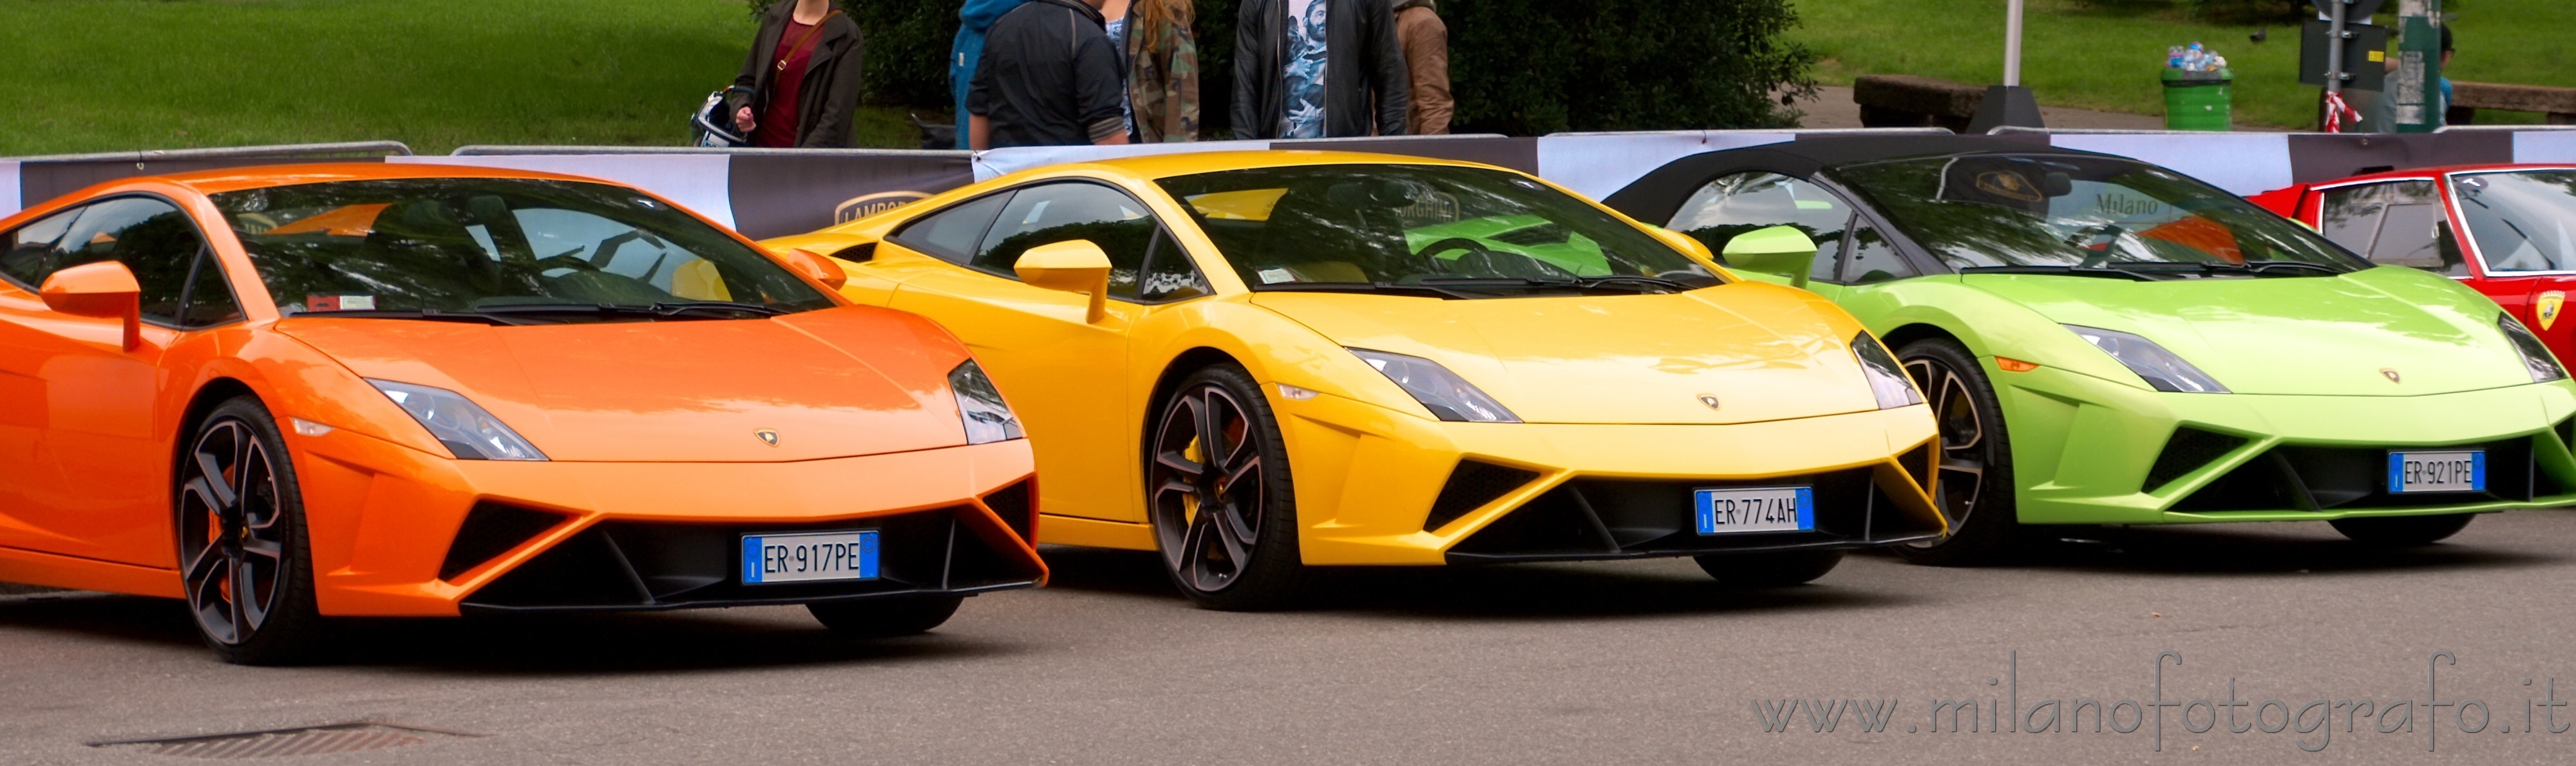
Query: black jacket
(830, 93)
(1367, 89)
(1049, 77)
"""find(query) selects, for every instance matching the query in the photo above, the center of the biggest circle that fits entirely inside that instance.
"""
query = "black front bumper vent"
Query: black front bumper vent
(627, 565)
(2355, 478)
(492, 529)
(1615, 518)
(1471, 485)
(2188, 450)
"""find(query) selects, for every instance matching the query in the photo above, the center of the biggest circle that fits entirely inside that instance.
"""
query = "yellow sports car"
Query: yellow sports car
(1260, 362)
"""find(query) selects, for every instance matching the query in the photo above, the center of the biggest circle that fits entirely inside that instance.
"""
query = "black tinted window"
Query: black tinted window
(1873, 259)
(952, 234)
(1169, 275)
(210, 298)
(1045, 215)
(152, 238)
(1744, 202)
(2393, 224)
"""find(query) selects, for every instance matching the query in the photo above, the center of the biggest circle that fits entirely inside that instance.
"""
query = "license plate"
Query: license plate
(809, 557)
(1759, 509)
(2455, 471)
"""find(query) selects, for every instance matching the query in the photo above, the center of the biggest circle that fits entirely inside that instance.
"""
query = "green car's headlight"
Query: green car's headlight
(2543, 365)
(1887, 379)
(469, 432)
(2162, 369)
(1446, 395)
(988, 418)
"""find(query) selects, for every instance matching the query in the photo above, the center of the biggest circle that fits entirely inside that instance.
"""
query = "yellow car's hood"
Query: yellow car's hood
(1765, 352)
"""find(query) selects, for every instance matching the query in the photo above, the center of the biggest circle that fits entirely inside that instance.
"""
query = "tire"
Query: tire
(2402, 531)
(1976, 478)
(245, 560)
(1242, 556)
(1773, 569)
(886, 617)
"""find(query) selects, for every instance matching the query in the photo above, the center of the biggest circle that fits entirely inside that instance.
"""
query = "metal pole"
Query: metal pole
(2334, 55)
(2012, 44)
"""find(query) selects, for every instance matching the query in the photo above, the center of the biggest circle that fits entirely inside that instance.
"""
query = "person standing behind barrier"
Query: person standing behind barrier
(804, 77)
(1163, 71)
(1318, 69)
(973, 22)
(1049, 77)
(1426, 56)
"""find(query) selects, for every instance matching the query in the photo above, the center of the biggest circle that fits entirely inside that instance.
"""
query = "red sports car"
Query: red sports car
(2507, 230)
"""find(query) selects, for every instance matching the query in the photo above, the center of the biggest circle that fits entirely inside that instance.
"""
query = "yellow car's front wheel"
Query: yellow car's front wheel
(1223, 506)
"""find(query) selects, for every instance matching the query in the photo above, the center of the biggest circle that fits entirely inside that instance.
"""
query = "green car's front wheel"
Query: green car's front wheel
(1975, 485)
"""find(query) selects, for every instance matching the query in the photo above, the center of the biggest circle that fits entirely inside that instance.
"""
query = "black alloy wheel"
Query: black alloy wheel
(1219, 495)
(1974, 488)
(243, 555)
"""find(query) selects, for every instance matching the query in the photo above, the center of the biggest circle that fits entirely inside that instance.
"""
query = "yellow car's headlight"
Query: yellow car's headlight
(1887, 379)
(1446, 395)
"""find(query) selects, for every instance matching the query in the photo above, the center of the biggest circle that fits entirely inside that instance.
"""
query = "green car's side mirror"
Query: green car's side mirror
(1781, 250)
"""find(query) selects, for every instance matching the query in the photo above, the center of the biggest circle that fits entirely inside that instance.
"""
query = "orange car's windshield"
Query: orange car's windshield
(551, 251)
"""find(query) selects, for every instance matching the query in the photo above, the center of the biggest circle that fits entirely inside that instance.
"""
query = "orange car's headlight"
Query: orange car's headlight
(469, 432)
(987, 418)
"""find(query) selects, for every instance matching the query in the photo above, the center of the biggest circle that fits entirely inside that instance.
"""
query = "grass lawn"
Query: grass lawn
(115, 75)
(2106, 54)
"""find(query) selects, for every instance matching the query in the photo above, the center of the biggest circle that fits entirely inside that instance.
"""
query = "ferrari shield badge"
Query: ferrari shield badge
(2546, 309)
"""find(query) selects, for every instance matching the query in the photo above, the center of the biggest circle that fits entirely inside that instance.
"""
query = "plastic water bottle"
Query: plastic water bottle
(2173, 57)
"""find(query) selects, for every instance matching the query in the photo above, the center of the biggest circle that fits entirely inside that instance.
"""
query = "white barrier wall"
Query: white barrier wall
(1596, 164)
(9, 202)
(699, 182)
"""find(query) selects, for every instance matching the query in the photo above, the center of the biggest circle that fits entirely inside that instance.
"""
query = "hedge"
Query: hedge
(1518, 67)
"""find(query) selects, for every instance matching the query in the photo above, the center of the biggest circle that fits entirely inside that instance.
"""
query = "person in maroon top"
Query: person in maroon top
(803, 76)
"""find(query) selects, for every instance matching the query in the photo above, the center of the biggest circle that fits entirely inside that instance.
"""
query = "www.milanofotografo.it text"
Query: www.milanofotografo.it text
(2312, 723)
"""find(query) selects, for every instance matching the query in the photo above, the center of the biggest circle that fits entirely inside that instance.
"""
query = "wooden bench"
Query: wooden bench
(2469, 97)
(1908, 101)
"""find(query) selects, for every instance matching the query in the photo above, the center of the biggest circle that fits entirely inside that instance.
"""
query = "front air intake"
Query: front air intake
(1471, 485)
(492, 529)
(1013, 504)
(2188, 450)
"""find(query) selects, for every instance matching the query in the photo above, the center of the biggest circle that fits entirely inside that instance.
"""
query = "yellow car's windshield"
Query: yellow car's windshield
(1459, 232)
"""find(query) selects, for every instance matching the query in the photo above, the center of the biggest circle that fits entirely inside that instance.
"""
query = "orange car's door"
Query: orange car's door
(87, 468)
(1066, 377)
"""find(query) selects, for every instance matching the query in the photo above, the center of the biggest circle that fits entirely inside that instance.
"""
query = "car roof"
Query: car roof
(2439, 170)
(264, 176)
(1660, 192)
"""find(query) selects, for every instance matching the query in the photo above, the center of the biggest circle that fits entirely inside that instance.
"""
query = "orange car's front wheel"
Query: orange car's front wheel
(242, 548)
(1217, 487)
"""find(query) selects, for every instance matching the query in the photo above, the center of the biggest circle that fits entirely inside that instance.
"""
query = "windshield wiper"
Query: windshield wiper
(657, 310)
(2105, 272)
(2261, 268)
(426, 315)
(1366, 287)
(1615, 281)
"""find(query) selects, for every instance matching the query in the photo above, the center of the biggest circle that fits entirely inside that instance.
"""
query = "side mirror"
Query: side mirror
(102, 289)
(1075, 266)
(821, 269)
(1780, 250)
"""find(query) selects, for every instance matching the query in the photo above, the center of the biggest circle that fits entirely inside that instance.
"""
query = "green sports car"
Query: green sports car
(2110, 342)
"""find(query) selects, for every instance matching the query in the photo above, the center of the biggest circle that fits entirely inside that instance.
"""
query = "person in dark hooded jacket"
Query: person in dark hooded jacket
(973, 21)
(802, 77)
(1318, 69)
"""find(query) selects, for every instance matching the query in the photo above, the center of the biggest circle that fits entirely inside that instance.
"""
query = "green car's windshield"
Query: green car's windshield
(1459, 232)
(2067, 212)
(2520, 219)
(532, 250)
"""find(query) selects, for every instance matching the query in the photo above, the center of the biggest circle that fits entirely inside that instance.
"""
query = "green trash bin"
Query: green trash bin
(2198, 100)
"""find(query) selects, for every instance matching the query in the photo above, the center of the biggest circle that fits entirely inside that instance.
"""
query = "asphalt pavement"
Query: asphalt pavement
(1633, 662)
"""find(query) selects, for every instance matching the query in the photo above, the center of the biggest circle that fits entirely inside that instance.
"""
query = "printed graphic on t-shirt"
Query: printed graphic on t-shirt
(1305, 75)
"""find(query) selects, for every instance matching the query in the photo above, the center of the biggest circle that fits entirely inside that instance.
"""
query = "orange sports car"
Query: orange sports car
(293, 394)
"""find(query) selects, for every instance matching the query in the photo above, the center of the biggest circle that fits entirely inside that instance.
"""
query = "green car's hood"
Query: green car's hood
(2296, 335)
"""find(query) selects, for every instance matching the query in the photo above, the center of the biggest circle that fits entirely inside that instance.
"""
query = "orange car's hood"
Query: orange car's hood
(834, 383)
